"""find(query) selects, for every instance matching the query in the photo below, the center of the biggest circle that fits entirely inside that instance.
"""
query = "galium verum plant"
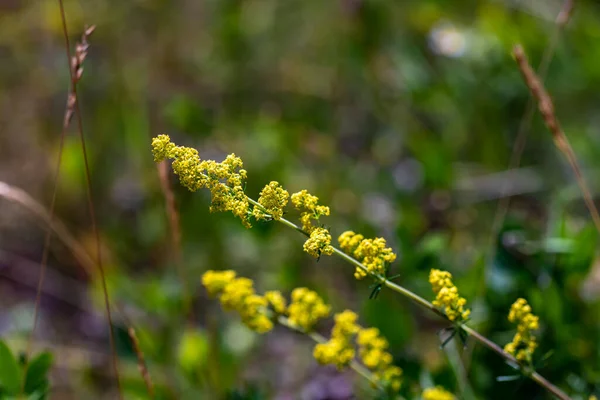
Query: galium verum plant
(370, 258)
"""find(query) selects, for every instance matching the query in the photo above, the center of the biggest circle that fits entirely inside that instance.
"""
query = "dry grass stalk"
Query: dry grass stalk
(171, 209)
(77, 65)
(175, 228)
(546, 108)
(75, 72)
(561, 21)
(141, 362)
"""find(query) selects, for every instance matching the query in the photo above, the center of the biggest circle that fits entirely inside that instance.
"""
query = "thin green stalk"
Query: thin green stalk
(536, 377)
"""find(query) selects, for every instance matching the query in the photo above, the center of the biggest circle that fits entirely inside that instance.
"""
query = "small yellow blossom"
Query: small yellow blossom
(238, 294)
(349, 241)
(447, 296)
(335, 351)
(524, 343)
(273, 198)
(311, 210)
(225, 180)
(339, 350)
(319, 243)
(215, 281)
(372, 349)
(276, 300)
(306, 308)
(345, 324)
(390, 377)
(437, 393)
(372, 253)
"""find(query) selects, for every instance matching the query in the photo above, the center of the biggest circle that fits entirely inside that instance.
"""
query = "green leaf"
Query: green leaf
(37, 372)
(10, 373)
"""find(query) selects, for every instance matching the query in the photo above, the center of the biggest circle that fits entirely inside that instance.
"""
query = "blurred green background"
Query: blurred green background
(400, 115)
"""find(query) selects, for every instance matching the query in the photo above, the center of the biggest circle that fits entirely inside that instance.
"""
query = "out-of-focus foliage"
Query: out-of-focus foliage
(399, 115)
(20, 378)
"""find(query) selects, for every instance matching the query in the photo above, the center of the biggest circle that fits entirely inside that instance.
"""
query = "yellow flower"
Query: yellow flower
(336, 351)
(345, 324)
(319, 243)
(215, 281)
(309, 205)
(162, 148)
(273, 198)
(349, 241)
(339, 350)
(306, 308)
(390, 377)
(447, 296)
(437, 393)
(238, 294)
(276, 300)
(372, 253)
(524, 343)
(372, 349)
(225, 180)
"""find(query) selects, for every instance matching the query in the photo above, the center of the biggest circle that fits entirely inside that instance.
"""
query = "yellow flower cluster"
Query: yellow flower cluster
(373, 353)
(224, 180)
(447, 296)
(372, 253)
(276, 300)
(318, 243)
(339, 350)
(524, 343)
(373, 348)
(309, 205)
(437, 393)
(238, 294)
(306, 308)
(273, 198)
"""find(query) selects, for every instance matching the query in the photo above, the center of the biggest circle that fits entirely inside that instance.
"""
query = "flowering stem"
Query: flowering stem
(536, 377)
(355, 365)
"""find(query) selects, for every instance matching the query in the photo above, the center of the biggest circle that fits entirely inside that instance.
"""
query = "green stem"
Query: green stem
(536, 377)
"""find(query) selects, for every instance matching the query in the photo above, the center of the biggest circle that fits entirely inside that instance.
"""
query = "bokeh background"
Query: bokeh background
(400, 115)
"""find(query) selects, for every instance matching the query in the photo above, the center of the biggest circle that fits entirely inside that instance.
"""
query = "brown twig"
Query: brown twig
(546, 108)
(141, 362)
(75, 71)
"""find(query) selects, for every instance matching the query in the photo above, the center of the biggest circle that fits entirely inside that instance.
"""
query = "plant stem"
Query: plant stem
(536, 377)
